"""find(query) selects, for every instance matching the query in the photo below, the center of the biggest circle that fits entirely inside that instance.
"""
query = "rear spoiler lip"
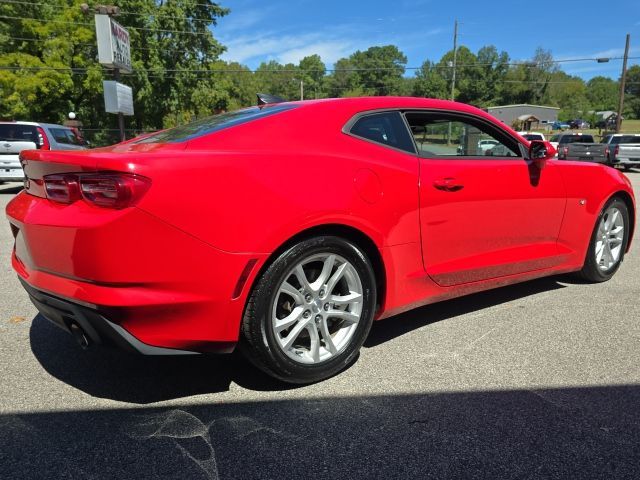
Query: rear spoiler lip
(267, 98)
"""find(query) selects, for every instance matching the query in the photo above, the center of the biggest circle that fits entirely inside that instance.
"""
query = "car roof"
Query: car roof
(35, 124)
(355, 105)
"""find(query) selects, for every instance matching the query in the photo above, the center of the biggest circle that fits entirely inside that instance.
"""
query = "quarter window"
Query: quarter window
(385, 128)
(444, 135)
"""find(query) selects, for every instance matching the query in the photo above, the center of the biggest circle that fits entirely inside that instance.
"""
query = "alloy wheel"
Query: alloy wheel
(609, 239)
(317, 308)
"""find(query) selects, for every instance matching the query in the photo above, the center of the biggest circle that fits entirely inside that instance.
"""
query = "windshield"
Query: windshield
(214, 123)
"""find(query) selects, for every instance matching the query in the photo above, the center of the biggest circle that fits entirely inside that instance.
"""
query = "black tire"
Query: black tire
(626, 168)
(258, 340)
(591, 271)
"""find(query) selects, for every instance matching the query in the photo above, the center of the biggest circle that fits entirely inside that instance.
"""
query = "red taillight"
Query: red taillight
(43, 140)
(113, 190)
(616, 151)
(62, 188)
(563, 152)
(107, 190)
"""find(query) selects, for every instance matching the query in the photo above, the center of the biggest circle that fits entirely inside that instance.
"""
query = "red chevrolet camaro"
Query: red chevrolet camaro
(287, 229)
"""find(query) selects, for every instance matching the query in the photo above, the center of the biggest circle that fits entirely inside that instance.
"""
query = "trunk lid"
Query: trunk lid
(125, 157)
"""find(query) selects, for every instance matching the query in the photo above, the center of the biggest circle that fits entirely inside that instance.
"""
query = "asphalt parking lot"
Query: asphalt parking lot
(538, 380)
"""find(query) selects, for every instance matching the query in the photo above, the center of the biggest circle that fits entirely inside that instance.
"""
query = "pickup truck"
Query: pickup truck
(606, 152)
(626, 152)
(561, 141)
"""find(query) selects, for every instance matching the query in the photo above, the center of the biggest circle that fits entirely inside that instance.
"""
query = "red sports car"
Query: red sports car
(286, 229)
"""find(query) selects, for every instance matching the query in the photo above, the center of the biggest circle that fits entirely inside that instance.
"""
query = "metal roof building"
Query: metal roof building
(510, 113)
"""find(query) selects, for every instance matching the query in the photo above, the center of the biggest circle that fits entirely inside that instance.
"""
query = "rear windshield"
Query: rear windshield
(625, 139)
(214, 123)
(576, 139)
(18, 133)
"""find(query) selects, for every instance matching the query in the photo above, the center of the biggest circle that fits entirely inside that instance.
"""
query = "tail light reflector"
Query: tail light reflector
(43, 140)
(107, 190)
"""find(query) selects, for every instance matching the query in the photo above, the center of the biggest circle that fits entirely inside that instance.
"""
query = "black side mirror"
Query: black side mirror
(540, 152)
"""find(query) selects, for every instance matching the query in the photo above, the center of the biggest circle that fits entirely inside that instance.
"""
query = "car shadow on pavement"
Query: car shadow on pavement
(393, 327)
(110, 373)
(10, 188)
(107, 373)
(537, 433)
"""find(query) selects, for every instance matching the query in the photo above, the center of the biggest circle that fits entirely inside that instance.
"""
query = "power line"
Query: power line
(93, 45)
(208, 5)
(137, 14)
(281, 71)
(210, 74)
(89, 24)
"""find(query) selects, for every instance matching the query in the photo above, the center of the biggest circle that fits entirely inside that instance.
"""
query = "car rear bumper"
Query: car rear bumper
(94, 325)
(127, 272)
(11, 173)
(627, 161)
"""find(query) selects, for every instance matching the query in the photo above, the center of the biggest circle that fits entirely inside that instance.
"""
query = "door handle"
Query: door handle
(448, 184)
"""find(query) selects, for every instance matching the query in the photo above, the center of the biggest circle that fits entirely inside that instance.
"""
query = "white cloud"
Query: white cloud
(329, 51)
(331, 44)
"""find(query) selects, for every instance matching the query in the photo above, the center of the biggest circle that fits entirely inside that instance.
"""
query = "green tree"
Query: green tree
(491, 72)
(632, 92)
(430, 82)
(277, 79)
(173, 55)
(602, 93)
(312, 73)
(376, 71)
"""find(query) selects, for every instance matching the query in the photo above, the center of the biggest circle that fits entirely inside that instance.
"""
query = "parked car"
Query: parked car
(18, 136)
(559, 125)
(578, 123)
(606, 152)
(532, 136)
(243, 229)
(487, 144)
(560, 140)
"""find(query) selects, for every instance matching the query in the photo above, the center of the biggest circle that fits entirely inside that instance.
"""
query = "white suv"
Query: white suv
(18, 136)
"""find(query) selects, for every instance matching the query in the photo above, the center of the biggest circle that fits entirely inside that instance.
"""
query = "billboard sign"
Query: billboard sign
(114, 49)
(118, 98)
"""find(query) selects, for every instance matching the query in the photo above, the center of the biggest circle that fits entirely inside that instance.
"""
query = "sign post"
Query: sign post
(114, 51)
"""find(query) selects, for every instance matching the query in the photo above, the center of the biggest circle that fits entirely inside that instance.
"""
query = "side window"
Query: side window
(441, 135)
(386, 128)
(62, 135)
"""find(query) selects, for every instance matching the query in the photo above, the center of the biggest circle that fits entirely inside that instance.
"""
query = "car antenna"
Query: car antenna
(265, 98)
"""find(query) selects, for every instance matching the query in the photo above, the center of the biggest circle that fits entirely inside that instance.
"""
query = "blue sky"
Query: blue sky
(286, 31)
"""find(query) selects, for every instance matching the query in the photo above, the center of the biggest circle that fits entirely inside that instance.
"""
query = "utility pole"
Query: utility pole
(622, 84)
(116, 76)
(301, 89)
(453, 76)
(455, 58)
